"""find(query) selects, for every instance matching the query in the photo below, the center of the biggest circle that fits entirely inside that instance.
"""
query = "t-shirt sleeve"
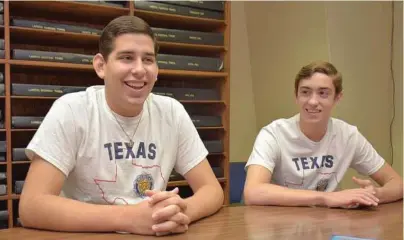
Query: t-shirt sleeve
(55, 141)
(191, 150)
(265, 151)
(366, 160)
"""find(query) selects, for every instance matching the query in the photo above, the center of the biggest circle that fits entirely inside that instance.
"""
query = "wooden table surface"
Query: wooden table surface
(242, 222)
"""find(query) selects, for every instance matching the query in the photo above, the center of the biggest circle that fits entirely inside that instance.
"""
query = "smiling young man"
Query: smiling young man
(300, 161)
(102, 158)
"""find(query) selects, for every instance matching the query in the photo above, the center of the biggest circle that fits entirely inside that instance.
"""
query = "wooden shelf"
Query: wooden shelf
(3, 163)
(69, 7)
(89, 67)
(44, 64)
(21, 162)
(2, 198)
(185, 183)
(22, 130)
(15, 196)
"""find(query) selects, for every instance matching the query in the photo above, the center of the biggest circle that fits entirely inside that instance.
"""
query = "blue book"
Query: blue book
(341, 237)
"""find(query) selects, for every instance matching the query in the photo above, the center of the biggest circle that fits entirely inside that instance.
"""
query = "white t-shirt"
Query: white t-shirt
(81, 137)
(297, 162)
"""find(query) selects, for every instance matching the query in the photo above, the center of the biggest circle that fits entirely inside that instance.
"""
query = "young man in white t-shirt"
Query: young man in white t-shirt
(300, 161)
(102, 158)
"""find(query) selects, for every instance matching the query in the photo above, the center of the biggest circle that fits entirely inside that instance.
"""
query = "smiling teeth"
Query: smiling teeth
(313, 111)
(136, 84)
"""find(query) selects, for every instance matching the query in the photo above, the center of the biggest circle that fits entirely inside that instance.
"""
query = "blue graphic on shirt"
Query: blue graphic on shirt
(305, 163)
(122, 150)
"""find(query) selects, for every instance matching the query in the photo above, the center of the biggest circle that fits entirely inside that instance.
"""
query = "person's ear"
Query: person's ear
(338, 97)
(99, 65)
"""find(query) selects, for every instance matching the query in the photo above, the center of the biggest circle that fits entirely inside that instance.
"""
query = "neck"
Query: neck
(124, 110)
(313, 131)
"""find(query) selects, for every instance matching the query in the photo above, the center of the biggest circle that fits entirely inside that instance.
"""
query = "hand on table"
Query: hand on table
(351, 198)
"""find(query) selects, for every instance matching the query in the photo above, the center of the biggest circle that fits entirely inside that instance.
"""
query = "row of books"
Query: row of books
(18, 185)
(164, 61)
(33, 122)
(39, 90)
(208, 5)
(162, 34)
(211, 10)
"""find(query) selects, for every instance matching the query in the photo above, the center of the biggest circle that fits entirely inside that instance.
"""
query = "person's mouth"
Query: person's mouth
(136, 85)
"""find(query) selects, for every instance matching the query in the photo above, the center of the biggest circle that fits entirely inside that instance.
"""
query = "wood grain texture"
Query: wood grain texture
(383, 222)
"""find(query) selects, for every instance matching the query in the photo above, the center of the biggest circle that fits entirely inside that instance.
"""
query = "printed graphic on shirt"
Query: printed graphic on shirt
(120, 151)
(306, 163)
(322, 176)
(142, 183)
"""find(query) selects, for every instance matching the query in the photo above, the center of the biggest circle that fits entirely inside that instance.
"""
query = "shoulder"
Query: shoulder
(80, 101)
(165, 106)
(343, 128)
(283, 127)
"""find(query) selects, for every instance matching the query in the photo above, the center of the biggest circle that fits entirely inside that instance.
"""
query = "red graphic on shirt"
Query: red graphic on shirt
(113, 181)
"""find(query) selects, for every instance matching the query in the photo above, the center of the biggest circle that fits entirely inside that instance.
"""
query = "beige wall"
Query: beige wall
(272, 40)
(242, 110)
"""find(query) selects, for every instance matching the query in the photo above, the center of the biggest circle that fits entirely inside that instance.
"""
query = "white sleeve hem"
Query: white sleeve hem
(33, 149)
(259, 163)
(376, 168)
(193, 163)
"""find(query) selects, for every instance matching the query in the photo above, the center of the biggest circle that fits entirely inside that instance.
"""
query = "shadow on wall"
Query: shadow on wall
(237, 179)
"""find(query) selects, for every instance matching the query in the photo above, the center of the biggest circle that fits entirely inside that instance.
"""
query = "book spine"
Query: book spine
(189, 63)
(53, 26)
(206, 121)
(214, 146)
(1, 77)
(178, 10)
(18, 185)
(26, 122)
(18, 89)
(3, 146)
(209, 5)
(2, 93)
(19, 154)
(3, 190)
(192, 37)
(34, 55)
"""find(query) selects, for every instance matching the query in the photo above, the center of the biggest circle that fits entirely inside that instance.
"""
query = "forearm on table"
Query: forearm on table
(391, 191)
(206, 201)
(270, 194)
(57, 213)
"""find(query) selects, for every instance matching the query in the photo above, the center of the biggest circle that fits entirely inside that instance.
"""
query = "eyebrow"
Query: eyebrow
(131, 52)
(321, 88)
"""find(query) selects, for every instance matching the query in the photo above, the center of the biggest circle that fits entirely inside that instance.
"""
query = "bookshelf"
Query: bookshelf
(73, 74)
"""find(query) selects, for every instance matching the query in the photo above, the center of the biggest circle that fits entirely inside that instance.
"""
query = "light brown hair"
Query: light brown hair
(320, 67)
(122, 25)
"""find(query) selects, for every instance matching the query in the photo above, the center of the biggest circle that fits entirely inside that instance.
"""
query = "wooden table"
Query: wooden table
(384, 222)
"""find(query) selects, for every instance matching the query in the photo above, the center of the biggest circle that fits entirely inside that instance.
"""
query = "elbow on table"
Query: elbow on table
(25, 214)
(250, 195)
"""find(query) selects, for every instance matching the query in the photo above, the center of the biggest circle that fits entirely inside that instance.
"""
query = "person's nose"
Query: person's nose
(138, 68)
(313, 99)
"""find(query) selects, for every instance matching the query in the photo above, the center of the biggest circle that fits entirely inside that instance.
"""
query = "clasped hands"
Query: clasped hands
(168, 212)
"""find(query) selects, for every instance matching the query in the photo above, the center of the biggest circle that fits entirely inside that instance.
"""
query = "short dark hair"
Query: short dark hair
(122, 25)
(320, 67)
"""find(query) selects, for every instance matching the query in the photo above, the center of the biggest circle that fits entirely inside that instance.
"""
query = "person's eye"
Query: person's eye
(148, 60)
